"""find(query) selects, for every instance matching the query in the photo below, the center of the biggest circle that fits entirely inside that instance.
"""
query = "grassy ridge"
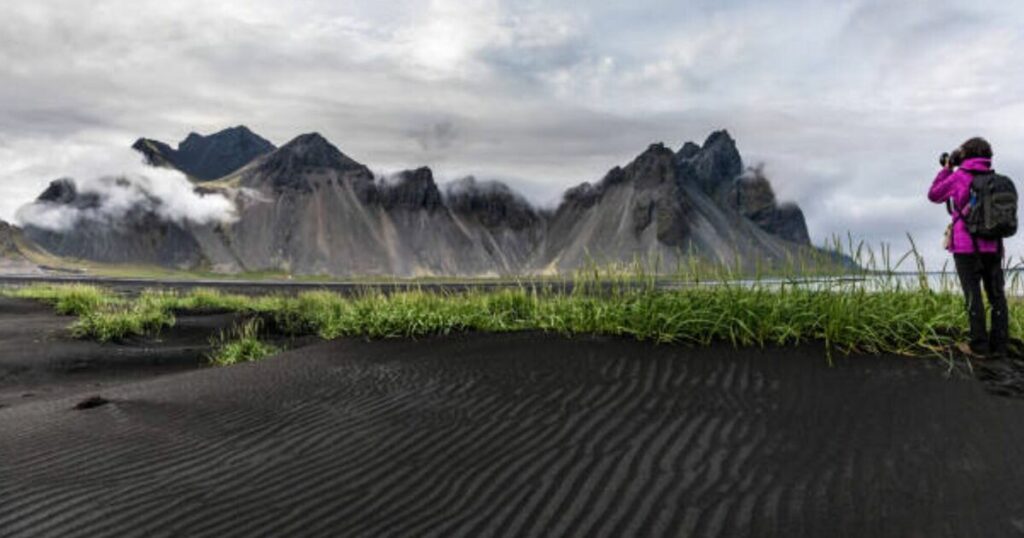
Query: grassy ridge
(886, 312)
(917, 321)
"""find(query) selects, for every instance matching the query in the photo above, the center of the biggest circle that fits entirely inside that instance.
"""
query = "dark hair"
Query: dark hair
(975, 148)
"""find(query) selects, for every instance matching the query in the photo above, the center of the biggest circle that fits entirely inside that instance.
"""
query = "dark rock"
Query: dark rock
(658, 199)
(296, 164)
(492, 203)
(753, 197)
(790, 224)
(688, 151)
(411, 190)
(643, 215)
(581, 196)
(652, 168)
(60, 191)
(91, 402)
(210, 157)
(64, 191)
(712, 168)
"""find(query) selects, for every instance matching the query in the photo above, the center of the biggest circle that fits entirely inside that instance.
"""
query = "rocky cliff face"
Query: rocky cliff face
(308, 208)
(717, 169)
(320, 212)
(752, 195)
(206, 158)
(664, 206)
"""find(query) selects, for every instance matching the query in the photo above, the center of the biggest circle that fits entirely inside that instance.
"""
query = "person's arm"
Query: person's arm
(943, 186)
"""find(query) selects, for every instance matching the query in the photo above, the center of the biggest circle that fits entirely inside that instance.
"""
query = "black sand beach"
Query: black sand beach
(40, 360)
(522, 435)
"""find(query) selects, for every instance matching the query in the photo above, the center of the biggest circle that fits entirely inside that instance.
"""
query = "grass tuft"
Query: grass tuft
(241, 345)
(69, 299)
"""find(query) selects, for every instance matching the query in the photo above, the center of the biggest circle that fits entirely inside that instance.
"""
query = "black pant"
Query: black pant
(974, 271)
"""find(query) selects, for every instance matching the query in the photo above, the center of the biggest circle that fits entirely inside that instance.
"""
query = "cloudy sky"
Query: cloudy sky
(846, 102)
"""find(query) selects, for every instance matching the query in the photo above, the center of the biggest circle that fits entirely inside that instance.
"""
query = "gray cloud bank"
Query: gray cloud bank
(847, 102)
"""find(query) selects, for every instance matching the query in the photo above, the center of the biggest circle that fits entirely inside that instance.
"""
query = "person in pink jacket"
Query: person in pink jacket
(979, 262)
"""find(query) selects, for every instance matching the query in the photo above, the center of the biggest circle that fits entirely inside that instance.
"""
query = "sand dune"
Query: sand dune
(522, 435)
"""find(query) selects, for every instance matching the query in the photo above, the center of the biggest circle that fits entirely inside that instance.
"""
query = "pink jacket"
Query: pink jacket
(957, 186)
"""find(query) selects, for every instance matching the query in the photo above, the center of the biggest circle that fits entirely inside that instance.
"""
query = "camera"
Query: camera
(953, 158)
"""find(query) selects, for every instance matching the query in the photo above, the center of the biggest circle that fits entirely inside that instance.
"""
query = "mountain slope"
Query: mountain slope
(307, 208)
(319, 211)
(8, 246)
(12, 259)
(205, 158)
(667, 206)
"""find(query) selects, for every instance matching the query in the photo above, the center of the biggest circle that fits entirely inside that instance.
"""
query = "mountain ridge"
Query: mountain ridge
(308, 208)
(206, 158)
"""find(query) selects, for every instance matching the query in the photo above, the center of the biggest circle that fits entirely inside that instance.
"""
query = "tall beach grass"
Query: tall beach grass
(890, 305)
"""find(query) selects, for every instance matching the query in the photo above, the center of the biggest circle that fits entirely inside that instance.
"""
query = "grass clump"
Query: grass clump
(242, 345)
(210, 299)
(137, 318)
(68, 299)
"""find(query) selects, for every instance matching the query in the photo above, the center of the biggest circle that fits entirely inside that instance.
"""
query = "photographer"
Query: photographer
(978, 260)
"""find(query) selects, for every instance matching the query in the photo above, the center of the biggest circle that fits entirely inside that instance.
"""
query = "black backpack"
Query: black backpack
(992, 213)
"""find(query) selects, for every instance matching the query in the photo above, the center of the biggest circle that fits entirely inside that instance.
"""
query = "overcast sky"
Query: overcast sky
(847, 102)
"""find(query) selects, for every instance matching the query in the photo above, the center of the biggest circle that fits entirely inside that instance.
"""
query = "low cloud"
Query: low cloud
(135, 190)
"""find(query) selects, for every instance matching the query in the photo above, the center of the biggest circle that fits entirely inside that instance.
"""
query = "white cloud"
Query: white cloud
(128, 184)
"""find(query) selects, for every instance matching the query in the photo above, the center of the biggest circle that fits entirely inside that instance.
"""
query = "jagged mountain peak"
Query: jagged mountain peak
(720, 137)
(713, 166)
(411, 189)
(688, 151)
(239, 135)
(295, 165)
(312, 150)
(59, 191)
(208, 157)
(493, 203)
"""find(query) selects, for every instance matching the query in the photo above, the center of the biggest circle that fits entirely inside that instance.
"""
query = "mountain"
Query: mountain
(669, 205)
(12, 259)
(325, 213)
(137, 236)
(308, 208)
(205, 158)
(8, 246)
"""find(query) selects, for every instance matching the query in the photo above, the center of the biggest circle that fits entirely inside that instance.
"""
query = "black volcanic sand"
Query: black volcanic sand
(40, 360)
(523, 435)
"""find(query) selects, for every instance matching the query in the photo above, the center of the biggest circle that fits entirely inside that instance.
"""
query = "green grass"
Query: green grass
(880, 315)
(906, 322)
(69, 299)
(240, 345)
(147, 315)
